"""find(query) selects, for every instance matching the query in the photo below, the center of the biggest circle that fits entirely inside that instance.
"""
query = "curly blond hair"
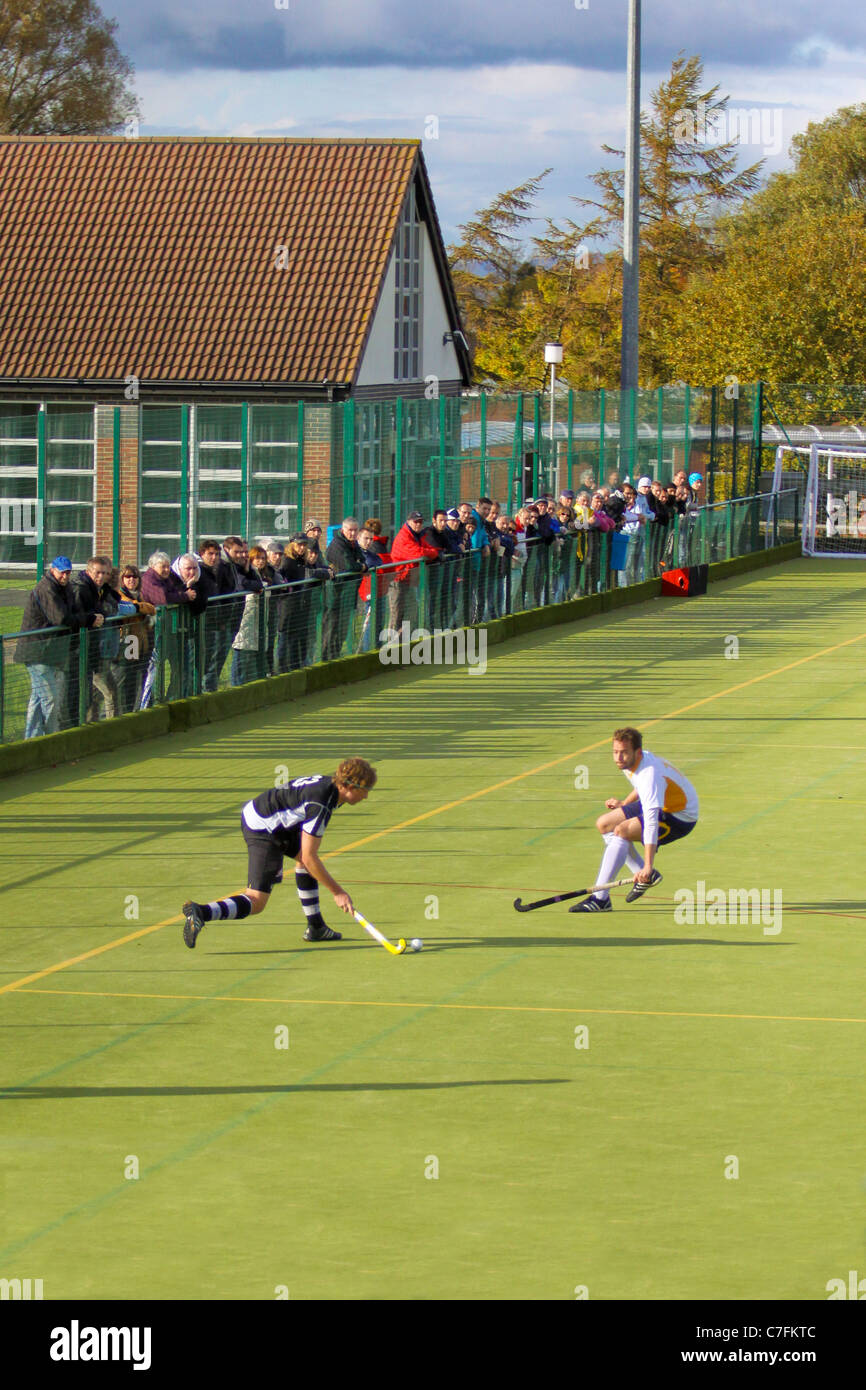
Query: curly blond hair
(355, 772)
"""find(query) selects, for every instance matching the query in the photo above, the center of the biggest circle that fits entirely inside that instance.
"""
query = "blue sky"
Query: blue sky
(497, 89)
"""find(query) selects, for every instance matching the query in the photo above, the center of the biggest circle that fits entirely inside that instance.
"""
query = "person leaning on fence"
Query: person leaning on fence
(135, 643)
(373, 559)
(50, 605)
(346, 560)
(163, 586)
(93, 593)
(313, 534)
(292, 606)
(409, 546)
(248, 656)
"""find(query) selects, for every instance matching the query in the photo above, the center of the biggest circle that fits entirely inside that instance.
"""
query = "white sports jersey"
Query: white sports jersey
(661, 787)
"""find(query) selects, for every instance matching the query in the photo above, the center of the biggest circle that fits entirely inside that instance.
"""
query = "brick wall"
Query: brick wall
(128, 498)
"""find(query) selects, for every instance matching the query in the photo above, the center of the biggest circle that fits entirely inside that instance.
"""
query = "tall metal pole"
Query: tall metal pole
(631, 208)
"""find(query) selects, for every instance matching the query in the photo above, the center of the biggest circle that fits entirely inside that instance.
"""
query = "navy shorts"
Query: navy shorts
(266, 856)
(670, 827)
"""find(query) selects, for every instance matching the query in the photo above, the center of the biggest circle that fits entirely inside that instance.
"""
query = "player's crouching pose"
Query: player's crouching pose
(661, 808)
(289, 822)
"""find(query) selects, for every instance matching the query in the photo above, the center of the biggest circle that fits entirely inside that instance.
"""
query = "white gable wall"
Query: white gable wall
(437, 359)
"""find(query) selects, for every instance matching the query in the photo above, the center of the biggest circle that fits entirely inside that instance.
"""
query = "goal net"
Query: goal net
(834, 511)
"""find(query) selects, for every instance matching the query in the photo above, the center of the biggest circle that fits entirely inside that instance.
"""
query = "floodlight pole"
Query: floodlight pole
(631, 222)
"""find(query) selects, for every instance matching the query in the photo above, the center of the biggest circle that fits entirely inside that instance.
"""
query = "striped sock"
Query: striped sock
(238, 906)
(308, 892)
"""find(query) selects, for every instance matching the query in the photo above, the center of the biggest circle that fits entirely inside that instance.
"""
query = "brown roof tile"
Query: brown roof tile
(155, 257)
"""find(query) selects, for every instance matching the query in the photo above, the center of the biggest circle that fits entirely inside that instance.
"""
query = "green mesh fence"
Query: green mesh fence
(53, 679)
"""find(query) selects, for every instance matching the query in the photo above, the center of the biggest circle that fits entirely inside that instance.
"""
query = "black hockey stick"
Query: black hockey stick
(521, 906)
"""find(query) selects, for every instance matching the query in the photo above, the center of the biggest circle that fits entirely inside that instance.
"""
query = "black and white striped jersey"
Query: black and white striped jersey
(307, 803)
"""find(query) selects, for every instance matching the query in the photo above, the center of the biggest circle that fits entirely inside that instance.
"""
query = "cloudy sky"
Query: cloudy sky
(497, 89)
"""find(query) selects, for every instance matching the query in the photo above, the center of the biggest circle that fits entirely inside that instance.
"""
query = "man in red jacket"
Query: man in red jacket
(407, 545)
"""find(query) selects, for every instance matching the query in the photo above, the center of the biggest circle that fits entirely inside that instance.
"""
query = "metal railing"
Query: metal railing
(54, 679)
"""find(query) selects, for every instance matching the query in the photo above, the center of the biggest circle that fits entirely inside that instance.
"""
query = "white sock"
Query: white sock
(615, 854)
(634, 862)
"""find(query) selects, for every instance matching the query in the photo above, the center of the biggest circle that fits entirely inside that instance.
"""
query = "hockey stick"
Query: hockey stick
(377, 936)
(521, 906)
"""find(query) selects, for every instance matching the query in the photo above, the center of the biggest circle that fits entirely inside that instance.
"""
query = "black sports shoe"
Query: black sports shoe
(322, 934)
(640, 888)
(592, 905)
(193, 923)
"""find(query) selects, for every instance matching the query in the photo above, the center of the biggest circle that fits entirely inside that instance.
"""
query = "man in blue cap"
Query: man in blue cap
(49, 605)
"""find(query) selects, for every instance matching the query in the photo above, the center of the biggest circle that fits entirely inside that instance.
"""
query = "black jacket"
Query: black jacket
(49, 604)
(346, 556)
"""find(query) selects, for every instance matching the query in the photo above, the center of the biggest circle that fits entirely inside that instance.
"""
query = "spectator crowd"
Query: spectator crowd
(123, 660)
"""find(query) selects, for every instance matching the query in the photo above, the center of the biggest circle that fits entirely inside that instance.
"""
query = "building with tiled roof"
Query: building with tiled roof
(200, 336)
(222, 268)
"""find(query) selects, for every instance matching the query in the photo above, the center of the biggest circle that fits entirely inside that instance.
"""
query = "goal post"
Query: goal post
(834, 512)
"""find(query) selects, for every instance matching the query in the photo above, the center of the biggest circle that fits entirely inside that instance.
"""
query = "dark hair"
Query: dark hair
(210, 545)
(130, 569)
(628, 735)
(485, 500)
(233, 540)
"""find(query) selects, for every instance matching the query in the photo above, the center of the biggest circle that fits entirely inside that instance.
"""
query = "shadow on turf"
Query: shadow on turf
(107, 1092)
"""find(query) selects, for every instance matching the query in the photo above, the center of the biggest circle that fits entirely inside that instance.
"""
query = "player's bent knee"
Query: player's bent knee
(258, 900)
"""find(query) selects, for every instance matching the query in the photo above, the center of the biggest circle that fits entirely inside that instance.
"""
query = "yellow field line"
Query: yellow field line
(450, 805)
(416, 1004)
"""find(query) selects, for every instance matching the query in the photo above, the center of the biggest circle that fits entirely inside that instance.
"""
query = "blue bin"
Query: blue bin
(618, 550)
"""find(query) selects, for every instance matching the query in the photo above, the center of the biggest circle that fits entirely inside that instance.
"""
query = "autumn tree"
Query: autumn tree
(61, 71)
(786, 300)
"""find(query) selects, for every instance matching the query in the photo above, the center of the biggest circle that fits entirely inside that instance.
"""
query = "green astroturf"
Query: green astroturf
(306, 1168)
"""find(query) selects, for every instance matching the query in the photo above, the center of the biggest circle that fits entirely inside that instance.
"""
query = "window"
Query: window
(407, 294)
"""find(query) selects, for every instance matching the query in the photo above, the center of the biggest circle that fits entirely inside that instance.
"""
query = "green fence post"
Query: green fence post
(159, 638)
(687, 422)
(601, 405)
(758, 437)
(729, 521)
(299, 469)
(115, 486)
(536, 446)
(2, 690)
(711, 480)
(185, 537)
(246, 509)
(320, 614)
(483, 491)
(350, 417)
(660, 430)
(443, 450)
(82, 675)
(399, 481)
(41, 501)
(735, 443)
(703, 535)
(569, 457)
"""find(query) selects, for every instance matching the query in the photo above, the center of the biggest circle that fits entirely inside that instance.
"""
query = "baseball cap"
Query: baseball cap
(695, 478)
(275, 547)
(298, 536)
(62, 562)
(645, 482)
(453, 514)
(312, 524)
(415, 516)
(567, 493)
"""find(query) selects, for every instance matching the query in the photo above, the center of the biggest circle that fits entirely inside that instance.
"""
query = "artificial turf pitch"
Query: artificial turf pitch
(432, 1130)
